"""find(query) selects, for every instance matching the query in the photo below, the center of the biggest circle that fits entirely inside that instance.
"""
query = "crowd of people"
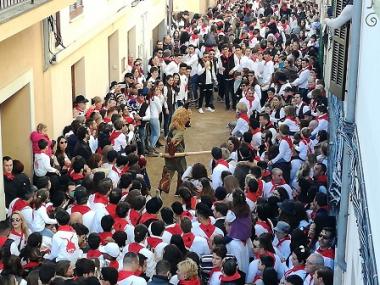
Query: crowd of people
(258, 214)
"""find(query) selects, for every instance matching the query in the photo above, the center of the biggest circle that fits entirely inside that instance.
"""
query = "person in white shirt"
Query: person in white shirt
(290, 119)
(207, 78)
(183, 87)
(130, 266)
(117, 137)
(193, 242)
(277, 181)
(191, 59)
(42, 161)
(252, 101)
(157, 101)
(303, 79)
(220, 166)
(268, 69)
(301, 107)
(173, 66)
(40, 216)
(64, 245)
(282, 240)
(242, 122)
(322, 119)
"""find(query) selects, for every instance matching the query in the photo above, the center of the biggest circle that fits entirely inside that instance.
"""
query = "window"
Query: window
(339, 55)
(76, 9)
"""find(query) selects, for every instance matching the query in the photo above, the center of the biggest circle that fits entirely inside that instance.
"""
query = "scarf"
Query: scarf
(66, 228)
(19, 205)
(111, 209)
(194, 281)
(113, 136)
(194, 37)
(103, 236)
(102, 199)
(288, 140)
(135, 247)
(328, 252)
(188, 239)
(124, 275)
(244, 116)
(253, 196)
(153, 241)
(134, 216)
(75, 176)
(174, 229)
(281, 241)
(9, 176)
(265, 225)
(234, 277)
(93, 253)
(146, 217)
(83, 209)
(214, 270)
(222, 162)
(294, 269)
(323, 117)
(120, 224)
(275, 185)
(208, 229)
(255, 131)
(292, 119)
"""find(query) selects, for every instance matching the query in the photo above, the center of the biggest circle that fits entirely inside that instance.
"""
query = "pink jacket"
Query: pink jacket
(35, 137)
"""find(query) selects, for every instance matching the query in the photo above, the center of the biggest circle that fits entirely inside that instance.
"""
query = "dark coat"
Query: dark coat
(159, 280)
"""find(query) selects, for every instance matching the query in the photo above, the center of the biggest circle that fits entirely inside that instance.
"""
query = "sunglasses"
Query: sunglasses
(15, 220)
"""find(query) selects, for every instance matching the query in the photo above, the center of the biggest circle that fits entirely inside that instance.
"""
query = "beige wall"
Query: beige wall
(195, 6)
(95, 54)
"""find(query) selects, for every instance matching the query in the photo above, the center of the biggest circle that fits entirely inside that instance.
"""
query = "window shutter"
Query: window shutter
(339, 55)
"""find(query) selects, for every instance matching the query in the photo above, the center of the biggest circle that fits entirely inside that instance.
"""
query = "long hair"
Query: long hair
(239, 204)
(24, 227)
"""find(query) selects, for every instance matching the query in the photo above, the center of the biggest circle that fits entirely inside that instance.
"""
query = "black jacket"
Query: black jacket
(83, 149)
(159, 280)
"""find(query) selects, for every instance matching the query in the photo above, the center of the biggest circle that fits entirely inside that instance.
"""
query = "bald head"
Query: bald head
(277, 175)
(314, 262)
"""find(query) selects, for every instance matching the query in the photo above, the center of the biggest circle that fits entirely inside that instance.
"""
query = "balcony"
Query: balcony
(17, 15)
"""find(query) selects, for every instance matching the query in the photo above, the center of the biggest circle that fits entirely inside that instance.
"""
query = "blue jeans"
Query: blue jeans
(194, 86)
(167, 120)
(142, 134)
(154, 131)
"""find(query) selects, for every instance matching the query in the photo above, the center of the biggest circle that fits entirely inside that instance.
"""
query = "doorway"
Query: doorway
(113, 57)
(78, 79)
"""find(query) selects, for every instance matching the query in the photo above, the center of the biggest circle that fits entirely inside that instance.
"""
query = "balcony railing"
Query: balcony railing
(5, 4)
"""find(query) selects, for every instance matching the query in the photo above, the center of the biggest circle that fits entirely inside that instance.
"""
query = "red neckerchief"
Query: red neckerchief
(253, 196)
(119, 224)
(114, 264)
(146, 217)
(13, 232)
(194, 37)
(9, 176)
(111, 209)
(322, 179)
(134, 216)
(323, 117)
(113, 136)
(265, 225)
(103, 236)
(288, 140)
(66, 228)
(135, 247)
(214, 270)
(194, 281)
(294, 269)
(75, 176)
(250, 102)
(281, 241)
(93, 253)
(188, 239)
(79, 109)
(244, 116)
(83, 209)
(115, 169)
(124, 275)
(2, 240)
(19, 205)
(203, 28)
(328, 252)
(282, 182)
(193, 202)
(255, 131)
(222, 162)
(153, 241)
(31, 265)
(102, 199)
(186, 214)
(174, 229)
(125, 169)
(234, 277)
(106, 120)
(208, 229)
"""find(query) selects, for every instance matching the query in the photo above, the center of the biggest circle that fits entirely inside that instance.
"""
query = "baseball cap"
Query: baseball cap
(111, 249)
(282, 227)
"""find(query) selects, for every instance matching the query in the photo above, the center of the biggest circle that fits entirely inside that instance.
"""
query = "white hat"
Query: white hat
(111, 249)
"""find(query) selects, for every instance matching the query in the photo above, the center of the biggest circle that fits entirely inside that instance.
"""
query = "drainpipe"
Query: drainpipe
(349, 118)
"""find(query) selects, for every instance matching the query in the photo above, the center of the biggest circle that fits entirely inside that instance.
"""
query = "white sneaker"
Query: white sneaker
(210, 109)
(200, 110)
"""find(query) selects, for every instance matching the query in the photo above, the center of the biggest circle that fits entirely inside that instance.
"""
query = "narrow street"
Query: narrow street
(207, 130)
